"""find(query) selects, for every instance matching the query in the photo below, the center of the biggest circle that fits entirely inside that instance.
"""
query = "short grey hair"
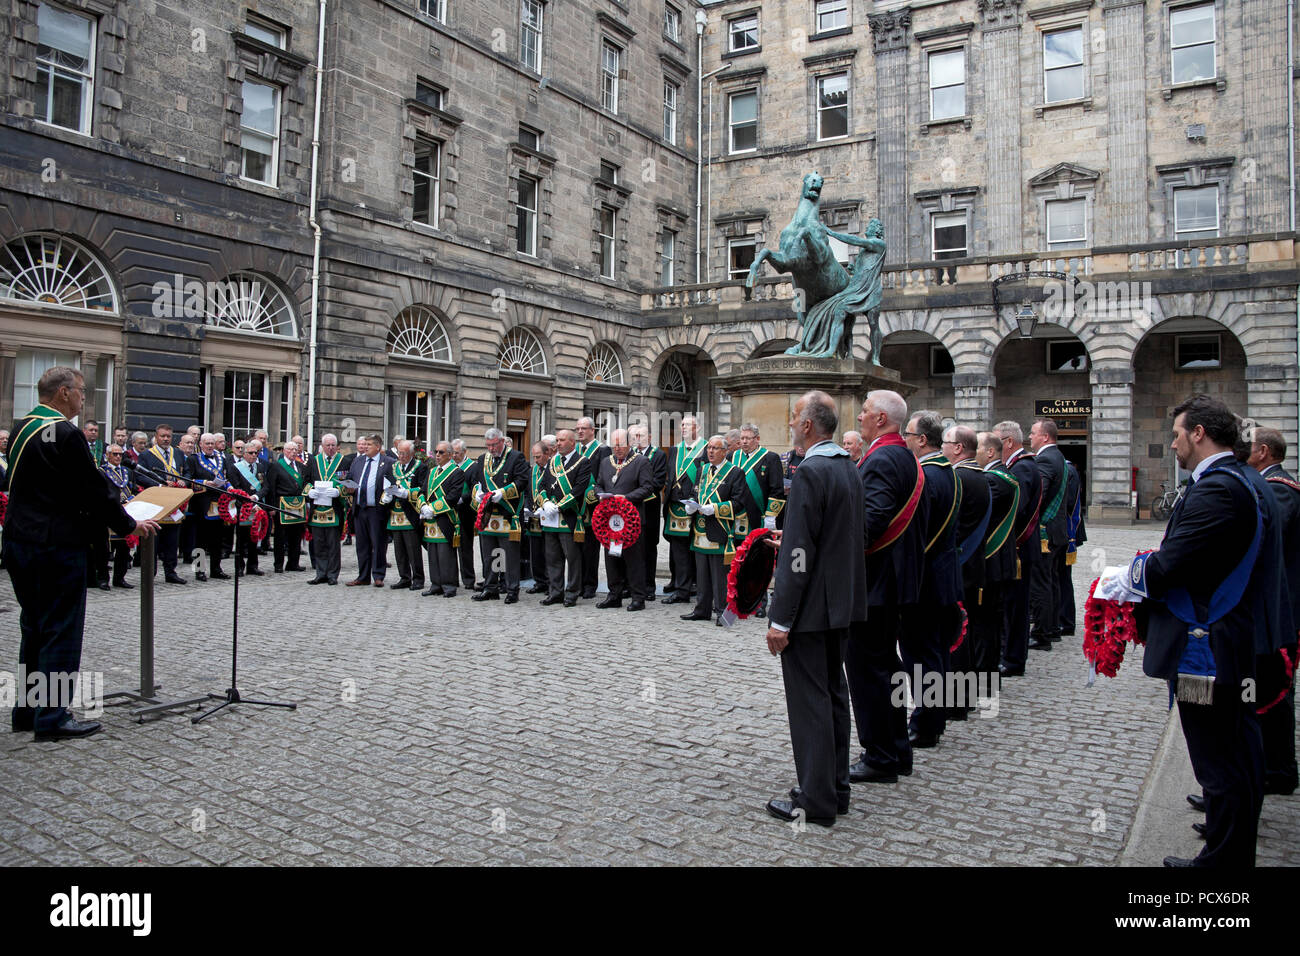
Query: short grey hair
(55, 378)
(752, 428)
(138, 435)
(892, 404)
(457, 444)
(492, 434)
(733, 435)
(1010, 429)
(819, 410)
(329, 437)
(405, 443)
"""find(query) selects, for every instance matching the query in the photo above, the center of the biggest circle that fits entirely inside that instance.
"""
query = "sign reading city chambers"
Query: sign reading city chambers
(1054, 407)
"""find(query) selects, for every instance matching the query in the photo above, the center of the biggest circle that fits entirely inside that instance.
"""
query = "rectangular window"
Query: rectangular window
(948, 235)
(1066, 355)
(429, 95)
(1066, 224)
(1196, 212)
(65, 69)
(742, 33)
(526, 217)
(610, 57)
(244, 405)
(947, 84)
(28, 369)
(940, 361)
(530, 138)
(259, 132)
(1063, 65)
(668, 258)
(268, 33)
(1191, 43)
(205, 410)
(1197, 351)
(607, 216)
(530, 34)
(672, 22)
(415, 421)
(832, 15)
(670, 112)
(740, 256)
(608, 171)
(427, 175)
(286, 408)
(833, 106)
(436, 9)
(743, 121)
(841, 250)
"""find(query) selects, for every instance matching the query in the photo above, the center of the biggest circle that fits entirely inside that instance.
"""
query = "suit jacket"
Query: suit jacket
(893, 573)
(1217, 517)
(658, 475)
(578, 474)
(824, 518)
(770, 473)
(732, 489)
(635, 482)
(514, 470)
(196, 470)
(1073, 496)
(975, 499)
(237, 479)
(408, 505)
(941, 580)
(279, 483)
(1000, 567)
(452, 488)
(1025, 470)
(357, 466)
(57, 496)
(1288, 509)
(1051, 470)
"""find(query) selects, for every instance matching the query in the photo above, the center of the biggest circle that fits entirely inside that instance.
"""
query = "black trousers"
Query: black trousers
(1065, 594)
(326, 552)
(500, 557)
(710, 583)
(563, 565)
(442, 566)
(288, 542)
(988, 620)
(169, 536)
(924, 639)
(1277, 725)
(370, 530)
(466, 548)
(189, 535)
(877, 692)
(650, 536)
(408, 552)
(681, 566)
(817, 701)
(537, 560)
(590, 564)
(1227, 752)
(246, 550)
(626, 573)
(97, 565)
(1044, 593)
(1016, 649)
(121, 552)
(210, 537)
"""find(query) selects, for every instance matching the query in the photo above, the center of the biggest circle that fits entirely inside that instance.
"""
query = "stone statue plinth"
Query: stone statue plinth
(764, 390)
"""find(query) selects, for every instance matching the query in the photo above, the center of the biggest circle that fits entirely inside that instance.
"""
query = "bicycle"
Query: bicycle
(1163, 505)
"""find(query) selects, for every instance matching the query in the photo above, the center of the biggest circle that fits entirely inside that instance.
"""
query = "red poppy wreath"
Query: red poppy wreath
(616, 521)
(750, 573)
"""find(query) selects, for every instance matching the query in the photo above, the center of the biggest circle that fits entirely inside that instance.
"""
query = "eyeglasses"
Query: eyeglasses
(912, 434)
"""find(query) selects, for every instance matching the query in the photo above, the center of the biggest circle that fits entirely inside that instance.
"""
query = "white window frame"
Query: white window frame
(934, 115)
(668, 257)
(1053, 244)
(672, 23)
(671, 90)
(273, 163)
(608, 241)
(438, 91)
(530, 31)
(733, 244)
(935, 217)
(733, 33)
(1083, 73)
(822, 111)
(610, 54)
(253, 27)
(434, 9)
(1212, 42)
(829, 8)
(86, 78)
(1198, 233)
(1201, 338)
(228, 400)
(731, 124)
(433, 179)
(531, 214)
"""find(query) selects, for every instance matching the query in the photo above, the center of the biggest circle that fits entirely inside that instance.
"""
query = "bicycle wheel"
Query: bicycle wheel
(1158, 510)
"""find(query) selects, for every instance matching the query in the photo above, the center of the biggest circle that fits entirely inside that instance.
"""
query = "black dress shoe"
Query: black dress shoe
(399, 585)
(24, 724)
(1042, 644)
(570, 603)
(923, 741)
(717, 621)
(200, 576)
(785, 810)
(430, 591)
(173, 579)
(796, 795)
(863, 772)
(278, 570)
(1199, 829)
(1283, 788)
(694, 616)
(1005, 670)
(357, 582)
(487, 596)
(548, 601)
(536, 589)
(609, 602)
(105, 586)
(512, 598)
(417, 586)
(126, 585)
(588, 595)
(331, 582)
(219, 575)
(651, 597)
(1197, 801)
(256, 572)
(451, 593)
(295, 569)
(69, 729)
(316, 581)
(676, 599)
(636, 606)
(1179, 861)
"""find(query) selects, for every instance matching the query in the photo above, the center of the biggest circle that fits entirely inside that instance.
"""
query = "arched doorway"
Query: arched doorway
(1177, 358)
(683, 385)
(524, 387)
(606, 400)
(420, 381)
(924, 362)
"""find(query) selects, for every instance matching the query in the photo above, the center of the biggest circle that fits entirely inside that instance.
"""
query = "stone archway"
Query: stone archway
(925, 363)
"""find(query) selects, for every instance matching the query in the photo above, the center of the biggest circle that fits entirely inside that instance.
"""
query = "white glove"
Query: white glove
(707, 509)
(426, 513)
(550, 509)
(497, 495)
(331, 493)
(400, 492)
(691, 507)
(769, 522)
(1113, 586)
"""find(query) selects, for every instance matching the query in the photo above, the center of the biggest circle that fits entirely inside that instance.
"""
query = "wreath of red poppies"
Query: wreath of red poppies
(750, 573)
(1108, 628)
(480, 520)
(256, 519)
(4, 507)
(965, 621)
(616, 521)
(230, 504)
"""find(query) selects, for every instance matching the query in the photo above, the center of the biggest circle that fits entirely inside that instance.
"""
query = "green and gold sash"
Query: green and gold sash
(326, 516)
(294, 507)
(36, 421)
(685, 465)
(397, 519)
(435, 496)
(709, 493)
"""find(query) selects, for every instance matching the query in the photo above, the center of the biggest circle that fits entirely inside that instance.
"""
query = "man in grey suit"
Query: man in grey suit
(821, 588)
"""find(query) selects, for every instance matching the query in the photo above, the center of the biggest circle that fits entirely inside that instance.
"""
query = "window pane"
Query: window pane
(744, 107)
(1067, 357)
(1062, 48)
(65, 109)
(1192, 25)
(259, 108)
(949, 236)
(265, 34)
(742, 257)
(1193, 63)
(1196, 209)
(1065, 221)
(744, 33)
(64, 38)
(947, 69)
(948, 102)
(1066, 84)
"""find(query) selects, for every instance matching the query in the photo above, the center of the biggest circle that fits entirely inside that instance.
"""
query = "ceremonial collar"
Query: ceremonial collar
(825, 449)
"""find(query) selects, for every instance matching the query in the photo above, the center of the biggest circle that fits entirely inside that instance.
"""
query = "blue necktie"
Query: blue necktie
(365, 485)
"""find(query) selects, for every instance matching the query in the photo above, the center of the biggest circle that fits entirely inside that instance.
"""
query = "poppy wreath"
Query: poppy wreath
(4, 506)
(615, 521)
(306, 534)
(258, 523)
(132, 541)
(480, 519)
(1274, 674)
(965, 620)
(229, 505)
(1108, 627)
(750, 573)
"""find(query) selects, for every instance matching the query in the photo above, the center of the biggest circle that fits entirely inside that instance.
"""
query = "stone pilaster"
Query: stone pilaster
(1264, 171)
(1000, 49)
(890, 33)
(973, 399)
(1111, 432)
(1125, 215)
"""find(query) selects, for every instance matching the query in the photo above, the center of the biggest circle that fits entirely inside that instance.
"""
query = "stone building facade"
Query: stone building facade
(506, 209)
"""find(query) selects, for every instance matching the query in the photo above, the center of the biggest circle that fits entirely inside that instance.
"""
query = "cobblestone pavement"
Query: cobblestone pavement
(432, 730)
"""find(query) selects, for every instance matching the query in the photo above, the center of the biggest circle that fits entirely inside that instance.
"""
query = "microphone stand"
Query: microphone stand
(232, 695)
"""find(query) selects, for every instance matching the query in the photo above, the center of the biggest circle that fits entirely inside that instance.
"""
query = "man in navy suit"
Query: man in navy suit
(959, 447)
(1025, 540)
(1077, 534)
(369, 524)
(988, 618)
(894, 518)
(813, 605)
(1216, 587)
(1053, 535)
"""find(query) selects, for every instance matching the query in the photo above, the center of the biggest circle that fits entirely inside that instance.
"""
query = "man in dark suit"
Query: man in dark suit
(988, 619)
(58, 500)
(503, 477)
(404, 478)
(683, 471)
(765, 479)
(624, 474)
(465, 509)
(211, 469)
(894, 519)
(567, 474)
(438, 498)
(163, 464)
(367, 471)
(325, 513)
(651, 527)
(720, 496)
(285, 481)
(123, 480)
(542, 453)
(1053, 535)
(1025, 536)
(976, 510)
(813, 604)
(1076, 535)
(591, 449)
(249, 476)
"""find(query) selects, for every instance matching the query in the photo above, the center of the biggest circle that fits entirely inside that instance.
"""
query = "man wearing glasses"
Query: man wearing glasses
(123, 480)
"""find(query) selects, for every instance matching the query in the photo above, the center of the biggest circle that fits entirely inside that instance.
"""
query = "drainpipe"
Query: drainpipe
(316, 233)
(701, 19)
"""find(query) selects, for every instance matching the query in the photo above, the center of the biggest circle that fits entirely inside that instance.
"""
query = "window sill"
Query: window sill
(830, 34)
(743, 152)
(745, 52)
(84, 134)
(965, 122)
(1218, 83)
(1084, 101)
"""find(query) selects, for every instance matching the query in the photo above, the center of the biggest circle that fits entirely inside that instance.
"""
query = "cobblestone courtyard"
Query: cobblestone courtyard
(432, 730)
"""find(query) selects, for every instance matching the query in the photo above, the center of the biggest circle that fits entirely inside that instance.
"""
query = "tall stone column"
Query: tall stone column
(890, 33)
(1271, 397)
(973, 398)
(1125, 215)
(1112, 432)
(1000, 48)
(1264, 169)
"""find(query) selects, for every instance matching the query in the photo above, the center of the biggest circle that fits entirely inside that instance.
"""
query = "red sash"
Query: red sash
(904, 517)
(1038, 506)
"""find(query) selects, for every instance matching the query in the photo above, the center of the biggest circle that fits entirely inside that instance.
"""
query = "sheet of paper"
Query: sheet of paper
(142, 510)
(728, 617)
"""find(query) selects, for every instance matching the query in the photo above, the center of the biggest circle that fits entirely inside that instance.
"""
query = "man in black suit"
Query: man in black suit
(988, 619)
(1277, 723)
(894, 520)
(1053, 535)
(326, 509)
(813, 604)
(720, 496)
(404, 477)
(1205, 569)
(58, 500)
(285, 481)
(591, 449)
(367, 471)
(437, 499)
(651, 527)
(249, 476)
(688, 459)
(1025, 538)
(123, 480)
(976, 510)
(624, 474)
(163, 464)
(765, 479)
(562, 494)
(542, 453)
(503, 477)
(1076, 535)
(465, 509)
(211, 468)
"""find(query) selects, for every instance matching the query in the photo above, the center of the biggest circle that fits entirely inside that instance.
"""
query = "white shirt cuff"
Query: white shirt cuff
(779, 627)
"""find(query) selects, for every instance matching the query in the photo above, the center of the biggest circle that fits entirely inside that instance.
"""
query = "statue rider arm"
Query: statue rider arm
(870, 243)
